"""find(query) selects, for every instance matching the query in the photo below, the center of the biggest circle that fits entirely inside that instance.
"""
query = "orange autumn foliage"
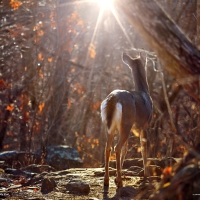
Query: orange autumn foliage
(36, 127)
(10, 107)
(50, 59)
(69, 103)
(8, 133)
(40, 107)
(95, 106)
(15, 4)
(40, 33)
(3, 85)
(78, 87)
(41, 74)
(167, 170)
(40, 56)
(24, 101)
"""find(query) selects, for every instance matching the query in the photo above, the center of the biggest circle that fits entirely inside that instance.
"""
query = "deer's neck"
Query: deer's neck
(140, 77)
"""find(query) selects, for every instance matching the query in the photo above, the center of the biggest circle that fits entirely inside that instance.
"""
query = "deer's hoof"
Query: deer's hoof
(118, 183)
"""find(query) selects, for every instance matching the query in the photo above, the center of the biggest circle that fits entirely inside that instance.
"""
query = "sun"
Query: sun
(106, 4)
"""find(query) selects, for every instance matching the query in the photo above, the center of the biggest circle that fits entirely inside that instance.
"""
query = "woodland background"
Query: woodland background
(60, 58)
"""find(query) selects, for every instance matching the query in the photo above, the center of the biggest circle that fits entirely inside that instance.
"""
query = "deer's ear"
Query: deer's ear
(126, 59)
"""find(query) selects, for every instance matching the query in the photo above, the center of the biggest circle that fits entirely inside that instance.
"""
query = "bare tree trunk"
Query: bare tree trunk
(198, 24)
(197, 138)
(3, 128)
(176, 52)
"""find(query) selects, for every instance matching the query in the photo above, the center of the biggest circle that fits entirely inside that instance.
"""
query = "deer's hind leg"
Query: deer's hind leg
(107, 157)
(123, 140)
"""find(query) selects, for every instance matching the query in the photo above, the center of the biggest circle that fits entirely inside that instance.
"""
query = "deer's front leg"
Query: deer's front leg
(124, 152)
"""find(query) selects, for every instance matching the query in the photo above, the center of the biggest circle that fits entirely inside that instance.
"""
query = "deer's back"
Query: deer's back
(136, 107)
(144, 108)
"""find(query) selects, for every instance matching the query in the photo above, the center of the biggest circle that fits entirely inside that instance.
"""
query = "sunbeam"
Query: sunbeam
(120, 24)
(106, 5)
(95, 29)
(109, 4)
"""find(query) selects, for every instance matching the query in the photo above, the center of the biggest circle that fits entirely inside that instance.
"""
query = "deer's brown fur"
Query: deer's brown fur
(125, 110)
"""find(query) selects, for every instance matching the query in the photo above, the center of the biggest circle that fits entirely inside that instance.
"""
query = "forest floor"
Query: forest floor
(41, 182)
(74, 183)
(77, 183)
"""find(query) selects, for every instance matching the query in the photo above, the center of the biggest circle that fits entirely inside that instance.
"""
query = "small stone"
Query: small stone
(48, 184)
(3, 180)
(4, 195)
(78, 186)
(3, 165)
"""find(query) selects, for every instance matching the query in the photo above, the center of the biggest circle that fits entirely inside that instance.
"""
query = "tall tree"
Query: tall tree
(176, 52)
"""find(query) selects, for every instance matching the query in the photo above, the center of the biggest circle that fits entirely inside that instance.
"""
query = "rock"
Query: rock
(127, 163)
(16, 158)
(3, 165)
(137, 170)
(154, 178)
(48, 185)
(138, 162)
(37, 179)
(15, 186)
(150, 161)
(127, 192)
(79, 186)
(18, 172)
(4, 195)
(132, 162)
(62, 157)
(155, 170)
(101, 172)
(167, 162)
(3, 180)
(38, 168)
(6, 155)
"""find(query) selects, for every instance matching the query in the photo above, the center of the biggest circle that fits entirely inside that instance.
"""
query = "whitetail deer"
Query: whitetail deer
(125, 111)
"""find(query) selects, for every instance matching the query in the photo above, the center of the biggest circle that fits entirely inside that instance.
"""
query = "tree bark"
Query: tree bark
(198, 24)
(175, 51)
(3, 128)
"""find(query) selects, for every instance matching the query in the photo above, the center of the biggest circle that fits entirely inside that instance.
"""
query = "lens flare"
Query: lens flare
(104, 3)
